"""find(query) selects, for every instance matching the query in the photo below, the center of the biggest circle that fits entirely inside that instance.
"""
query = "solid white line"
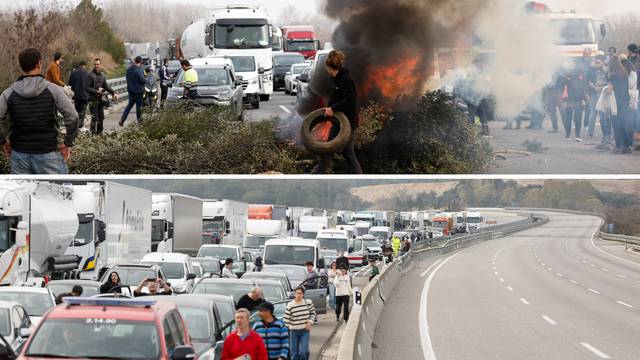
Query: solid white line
(593, 265)
(542, 264)
(509, 288)
(605, 270)
(622, 276)
(595, 351)
(550, 269)
(573, 281)
(607, 253)
(625, 304)
(495, 273)
(425, 338)
(559, 274)
(593, 291)
(524, 301)
(549, 320)
(285, 109)
(429, 268)
(501, 280)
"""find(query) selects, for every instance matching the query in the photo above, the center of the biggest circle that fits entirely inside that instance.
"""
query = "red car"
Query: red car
(99, 328)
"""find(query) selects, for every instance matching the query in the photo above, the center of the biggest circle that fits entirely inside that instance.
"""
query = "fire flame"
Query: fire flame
(390, 81)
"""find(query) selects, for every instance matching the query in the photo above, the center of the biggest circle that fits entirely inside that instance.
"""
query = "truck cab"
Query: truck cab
(362, 228)
(176, 224)
(474, 221)
(301, 39)
(380, 233)
(332, 242)
(310, 226)
(259, 232)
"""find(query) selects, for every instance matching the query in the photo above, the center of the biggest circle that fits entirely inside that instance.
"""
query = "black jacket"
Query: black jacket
(135, 80)
(78, 83)
(342, 261)
(344, 97)
(32, 103)
(96, 80)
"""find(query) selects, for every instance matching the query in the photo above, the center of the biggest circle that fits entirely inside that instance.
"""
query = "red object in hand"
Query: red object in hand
(322, 130)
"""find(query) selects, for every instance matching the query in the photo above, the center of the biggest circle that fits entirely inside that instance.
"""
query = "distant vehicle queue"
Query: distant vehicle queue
(106, 244)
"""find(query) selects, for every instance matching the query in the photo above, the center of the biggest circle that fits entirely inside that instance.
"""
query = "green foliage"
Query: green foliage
(435, 138)
(91, 22)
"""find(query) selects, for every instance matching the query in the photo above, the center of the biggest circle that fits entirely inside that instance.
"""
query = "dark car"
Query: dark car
(281, 65)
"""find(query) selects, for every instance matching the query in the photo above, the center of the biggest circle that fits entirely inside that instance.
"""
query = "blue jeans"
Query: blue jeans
(34, 164)
(299, 344)
(134, 99)
(332, 295)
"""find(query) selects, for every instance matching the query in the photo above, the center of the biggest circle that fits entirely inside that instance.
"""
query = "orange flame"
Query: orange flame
(393, 80)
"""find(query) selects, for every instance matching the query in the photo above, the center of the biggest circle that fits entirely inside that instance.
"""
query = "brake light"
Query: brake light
(28, 238)
(46, 279)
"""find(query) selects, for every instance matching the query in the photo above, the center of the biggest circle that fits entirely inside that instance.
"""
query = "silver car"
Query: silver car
(218, 85)
(290, 83)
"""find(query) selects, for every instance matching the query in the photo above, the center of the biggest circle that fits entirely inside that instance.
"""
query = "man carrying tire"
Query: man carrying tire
(343, 100)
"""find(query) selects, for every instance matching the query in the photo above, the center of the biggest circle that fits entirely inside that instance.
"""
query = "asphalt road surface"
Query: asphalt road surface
(280, 105)
(559, 156)
(545, 293)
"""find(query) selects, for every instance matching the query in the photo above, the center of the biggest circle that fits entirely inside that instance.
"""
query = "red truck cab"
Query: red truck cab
(301, 39)
(98, 328)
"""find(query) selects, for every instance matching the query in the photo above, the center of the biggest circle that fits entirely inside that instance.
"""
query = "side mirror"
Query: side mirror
(351, 249)
(603, 30)
(238, 84)
(102, 231)
(261, 71)
(191, 276)
(241, 79)
(21, 234)
(183, 353)
(304, 78)
(170, 231)
(288, 73)
(25, 333)
(320, 263)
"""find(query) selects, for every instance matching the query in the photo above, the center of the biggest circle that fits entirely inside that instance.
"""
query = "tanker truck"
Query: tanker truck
(37, 224)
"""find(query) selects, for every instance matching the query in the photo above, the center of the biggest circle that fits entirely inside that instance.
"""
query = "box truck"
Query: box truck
(224, 221)
(176, 223)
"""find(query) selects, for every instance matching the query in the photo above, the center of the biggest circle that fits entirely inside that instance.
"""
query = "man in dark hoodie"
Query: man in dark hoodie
(78, 83)
(32, 103)
(135, 88)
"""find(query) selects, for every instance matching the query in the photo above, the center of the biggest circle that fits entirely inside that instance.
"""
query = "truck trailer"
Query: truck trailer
(176, 223)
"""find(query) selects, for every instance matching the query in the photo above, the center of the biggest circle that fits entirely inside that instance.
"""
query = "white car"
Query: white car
(302, 83)
(290, 83)
(177, 268)
(15, 324)
(241, 264)
(35, 300)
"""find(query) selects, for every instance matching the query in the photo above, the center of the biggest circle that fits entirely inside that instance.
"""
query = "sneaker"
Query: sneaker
(579, 139)
(626, 151)
(337, 318)
(120, 123)
(567, 139)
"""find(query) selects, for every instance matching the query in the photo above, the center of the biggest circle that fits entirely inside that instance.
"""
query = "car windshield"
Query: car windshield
(209, 265)
(255, 242)
(297, 70)
(157, 229)
(440, 223)
(333, 243)
(244, 63)
(85, 231)
(173, 64)
(218, 252)
(5, 325)
(287, 60)
(215, 288)
(272, 292)
(213, 77)
(371, 243)
(288, 254)
(362, 231)
(575, 31)
(308, 234)
(226, 310)
(474, 220)
(132, 276)
(241, 36)
(379, 234)
(36, 304)
(198, 322)
(302, 46)
(171, 270)
(87, 290)
(95, 338)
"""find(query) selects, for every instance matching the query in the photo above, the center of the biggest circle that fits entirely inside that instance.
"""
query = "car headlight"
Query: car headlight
(225, 95)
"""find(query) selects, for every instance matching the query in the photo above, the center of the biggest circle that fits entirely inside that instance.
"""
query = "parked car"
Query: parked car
(225, 304)
(131, 275)
(241, 264)
(37, 301)
(290, 84)
(303, 82)
(210, 266)
(177, 269)
(89, 287)
(282, 64)
(93, 328)
(14, 324)
(272, 290)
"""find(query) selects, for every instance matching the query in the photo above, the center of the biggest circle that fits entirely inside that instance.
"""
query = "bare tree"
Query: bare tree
(622, 30)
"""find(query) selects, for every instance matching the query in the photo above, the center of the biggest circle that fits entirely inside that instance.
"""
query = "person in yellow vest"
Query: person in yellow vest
(190, 80)
(395, 245)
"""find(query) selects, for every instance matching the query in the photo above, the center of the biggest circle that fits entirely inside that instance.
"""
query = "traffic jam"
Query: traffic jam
(103, 270)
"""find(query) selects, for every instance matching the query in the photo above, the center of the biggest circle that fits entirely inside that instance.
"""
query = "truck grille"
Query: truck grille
(245, 84)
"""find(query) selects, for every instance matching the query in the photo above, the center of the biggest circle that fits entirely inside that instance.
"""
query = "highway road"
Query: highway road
(545, 293)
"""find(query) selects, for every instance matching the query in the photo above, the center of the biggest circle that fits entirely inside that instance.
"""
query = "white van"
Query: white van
(381, 233)
(331, 242)
(176, 267)
(247, 71)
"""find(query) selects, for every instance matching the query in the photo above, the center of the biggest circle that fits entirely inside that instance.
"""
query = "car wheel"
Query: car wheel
(325, 147)
(256, 105)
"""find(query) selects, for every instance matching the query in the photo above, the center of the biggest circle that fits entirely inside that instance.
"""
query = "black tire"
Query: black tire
(330, 147)
(256, 105)
(265, 97)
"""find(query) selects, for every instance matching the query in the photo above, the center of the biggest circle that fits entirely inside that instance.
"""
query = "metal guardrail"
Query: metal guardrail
(356, 343)
(629, 240)
(119, 85)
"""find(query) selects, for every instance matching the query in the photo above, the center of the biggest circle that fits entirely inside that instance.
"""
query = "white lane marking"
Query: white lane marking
(573, 281)
(427, 348)
(542, 264)
(501, 280)
(549, 320)
(524, 301)
(605, 270)
(550, 269)
(593, 291)
(584, 261)
(624, 304)
(284, 108)
(429, 268)
(559, 274)
(622, 276)
(595, 351)
(510, 288)
(607, 253)
(495, 273)
(593, 265)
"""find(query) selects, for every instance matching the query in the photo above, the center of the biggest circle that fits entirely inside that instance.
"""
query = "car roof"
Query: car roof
(165, 257)
(260, 282)
(75, 282)
(184, 299)
(25, 289)
(226, 281)
(8, 304)
(218, 297)
(293, 241)
(136, 313)
(264, 274)
(141, 266)
(219, 246)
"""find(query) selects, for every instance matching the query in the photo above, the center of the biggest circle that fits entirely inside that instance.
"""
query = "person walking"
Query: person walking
(97, 88)
(575, 98)
(165, 81)
(243, 343)
(190, 80)
(135, 88)
(342, 283)
(299, 316)
(54, 71)
(32, 104)
(273, 332)
(331, 274)
(395, 245)
(619, 85)
(78, 83)
(552, 95)
(344, 99)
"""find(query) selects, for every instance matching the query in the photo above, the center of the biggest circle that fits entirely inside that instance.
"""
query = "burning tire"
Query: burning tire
(323, 146)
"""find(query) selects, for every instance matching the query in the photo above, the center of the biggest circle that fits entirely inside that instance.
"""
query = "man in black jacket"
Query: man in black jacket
(135, 88)
(78, 83)
(32, 103)
(97, 87)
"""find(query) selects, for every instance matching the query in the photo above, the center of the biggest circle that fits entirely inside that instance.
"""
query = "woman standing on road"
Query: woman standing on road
(622, 131)
(344, 99)
(342, 283)
(299, 317)
(332, 273)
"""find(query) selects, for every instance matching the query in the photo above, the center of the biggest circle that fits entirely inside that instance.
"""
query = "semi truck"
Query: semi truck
(176, 223)
(114, 226)
(259, 231)
(234, 31)
(301, 39)
(37, 224)
(309, 226)
(267, 212)
(224, 221)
